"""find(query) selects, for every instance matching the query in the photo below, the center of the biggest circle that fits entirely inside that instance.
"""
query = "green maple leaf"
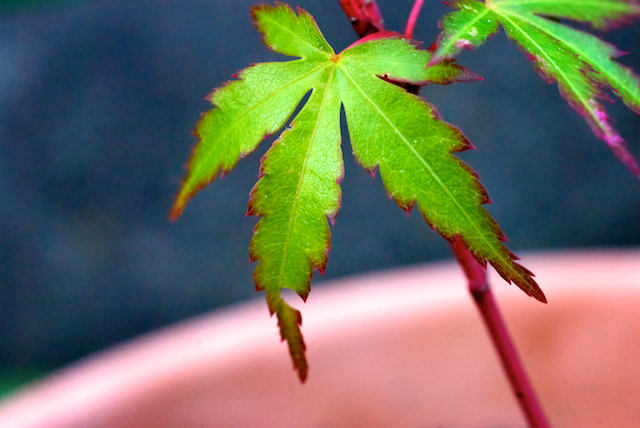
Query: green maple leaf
(298, 188)
(580, 62)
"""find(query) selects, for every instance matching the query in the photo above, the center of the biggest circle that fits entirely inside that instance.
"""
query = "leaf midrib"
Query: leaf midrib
(301, 180)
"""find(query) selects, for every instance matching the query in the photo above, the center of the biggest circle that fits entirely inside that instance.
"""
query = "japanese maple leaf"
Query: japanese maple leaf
(390, 129)
(580, 62)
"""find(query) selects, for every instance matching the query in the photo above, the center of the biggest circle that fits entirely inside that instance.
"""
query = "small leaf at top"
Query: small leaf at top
(580, 63)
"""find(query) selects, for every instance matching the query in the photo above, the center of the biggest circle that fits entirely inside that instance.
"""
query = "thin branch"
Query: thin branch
(367, 19)
(413, 17)
(364, 16)
(481, 291)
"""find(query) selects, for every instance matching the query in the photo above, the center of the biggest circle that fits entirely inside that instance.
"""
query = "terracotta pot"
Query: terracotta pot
(404, 348)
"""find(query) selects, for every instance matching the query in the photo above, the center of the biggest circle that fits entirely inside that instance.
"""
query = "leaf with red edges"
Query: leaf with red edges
(298, 188)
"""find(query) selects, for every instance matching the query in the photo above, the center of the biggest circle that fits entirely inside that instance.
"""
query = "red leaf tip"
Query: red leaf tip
(289, 322)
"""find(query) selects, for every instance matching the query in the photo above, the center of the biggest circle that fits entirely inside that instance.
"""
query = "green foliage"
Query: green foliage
(580, 62)
(12, 380)
(390, 129)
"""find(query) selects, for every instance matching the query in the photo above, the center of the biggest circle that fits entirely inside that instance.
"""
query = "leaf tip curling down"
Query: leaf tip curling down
(289, 322)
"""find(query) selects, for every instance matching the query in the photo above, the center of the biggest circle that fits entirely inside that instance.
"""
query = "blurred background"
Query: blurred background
(97, 103)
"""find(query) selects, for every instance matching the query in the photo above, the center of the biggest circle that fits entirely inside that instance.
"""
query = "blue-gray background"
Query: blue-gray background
(97, 103)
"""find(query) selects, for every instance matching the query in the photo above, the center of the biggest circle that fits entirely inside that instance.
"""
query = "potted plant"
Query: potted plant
(392, 130)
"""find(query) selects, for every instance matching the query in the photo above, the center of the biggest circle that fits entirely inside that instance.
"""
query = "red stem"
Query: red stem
(481, 291)
(364, 16)
(413, 17)
(366, 19)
